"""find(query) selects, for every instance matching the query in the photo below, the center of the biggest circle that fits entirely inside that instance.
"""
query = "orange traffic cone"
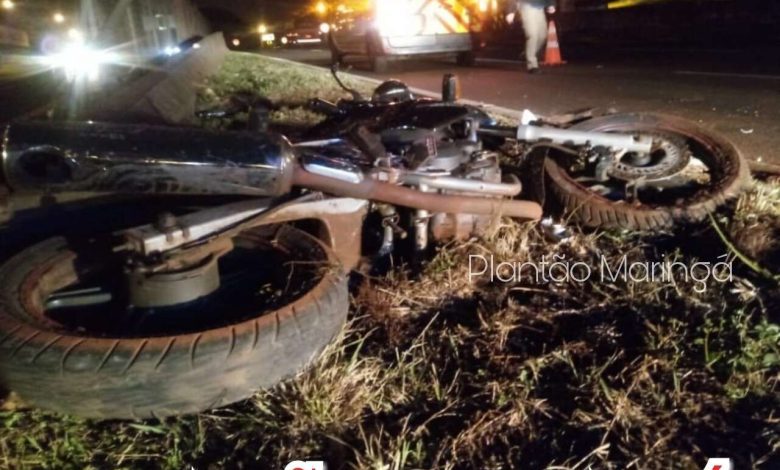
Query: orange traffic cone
(553, 54)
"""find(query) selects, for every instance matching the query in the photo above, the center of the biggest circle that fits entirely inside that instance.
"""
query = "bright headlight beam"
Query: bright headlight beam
(79, 61)
(75, 34)
(171, 50)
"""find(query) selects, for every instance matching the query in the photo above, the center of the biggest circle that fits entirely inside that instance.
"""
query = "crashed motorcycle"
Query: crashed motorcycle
(198, 308)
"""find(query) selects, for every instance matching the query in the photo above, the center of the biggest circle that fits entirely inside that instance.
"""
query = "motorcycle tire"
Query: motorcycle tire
(731, 177)
(99, 376)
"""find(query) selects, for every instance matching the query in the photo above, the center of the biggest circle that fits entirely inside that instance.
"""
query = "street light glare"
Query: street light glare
(8, 5)
(262, 29)
(321, 8)
(58, 18)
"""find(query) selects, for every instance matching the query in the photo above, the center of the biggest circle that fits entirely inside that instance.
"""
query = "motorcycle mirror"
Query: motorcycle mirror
(334, 70)
(336, 57)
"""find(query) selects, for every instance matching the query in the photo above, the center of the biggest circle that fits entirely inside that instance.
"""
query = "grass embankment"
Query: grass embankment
(438, 372)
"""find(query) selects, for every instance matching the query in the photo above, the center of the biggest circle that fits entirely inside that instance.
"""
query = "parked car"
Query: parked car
(307, 31)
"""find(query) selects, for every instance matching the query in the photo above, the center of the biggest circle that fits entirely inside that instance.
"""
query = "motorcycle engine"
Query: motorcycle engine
(480, 166)
(434, 147)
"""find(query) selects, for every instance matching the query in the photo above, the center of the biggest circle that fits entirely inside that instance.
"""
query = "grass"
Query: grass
(435, 371)
(244, 73)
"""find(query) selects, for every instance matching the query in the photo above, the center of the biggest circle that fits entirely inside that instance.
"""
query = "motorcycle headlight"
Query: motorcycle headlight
(79, 61)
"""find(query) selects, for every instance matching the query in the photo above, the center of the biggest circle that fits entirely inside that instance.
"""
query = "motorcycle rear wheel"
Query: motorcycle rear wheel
(102, 374)
(730, 175)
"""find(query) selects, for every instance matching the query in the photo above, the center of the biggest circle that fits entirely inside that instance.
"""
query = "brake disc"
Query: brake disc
(668, 157)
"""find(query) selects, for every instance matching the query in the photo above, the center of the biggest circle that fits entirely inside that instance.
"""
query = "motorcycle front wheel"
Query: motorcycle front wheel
(713, 171)
(70, 342)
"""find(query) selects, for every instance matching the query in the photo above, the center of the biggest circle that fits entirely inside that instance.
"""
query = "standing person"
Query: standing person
(534, 25)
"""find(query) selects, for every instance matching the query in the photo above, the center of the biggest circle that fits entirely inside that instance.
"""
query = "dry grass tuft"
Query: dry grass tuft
(755, 228)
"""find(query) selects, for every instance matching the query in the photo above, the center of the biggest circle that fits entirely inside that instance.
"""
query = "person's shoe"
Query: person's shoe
(534, 71)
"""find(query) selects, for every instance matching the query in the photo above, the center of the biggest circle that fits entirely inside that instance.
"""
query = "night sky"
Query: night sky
(252, 11)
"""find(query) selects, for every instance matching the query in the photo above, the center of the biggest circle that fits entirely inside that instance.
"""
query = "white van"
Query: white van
(384, 30)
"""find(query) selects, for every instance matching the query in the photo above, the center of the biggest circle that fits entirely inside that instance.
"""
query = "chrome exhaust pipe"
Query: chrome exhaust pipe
(378, 191)
(117, 158)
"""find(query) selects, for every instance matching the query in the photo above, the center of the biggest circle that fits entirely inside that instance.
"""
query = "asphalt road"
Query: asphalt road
(741, 105)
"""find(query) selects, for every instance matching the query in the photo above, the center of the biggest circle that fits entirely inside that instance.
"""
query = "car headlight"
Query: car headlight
(79, 61)
(324, 28)
(172, 50)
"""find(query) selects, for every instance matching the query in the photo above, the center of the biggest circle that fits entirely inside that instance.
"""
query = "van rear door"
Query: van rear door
(404, 27)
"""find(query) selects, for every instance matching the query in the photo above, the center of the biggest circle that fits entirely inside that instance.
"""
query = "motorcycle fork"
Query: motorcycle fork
(339, 226)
